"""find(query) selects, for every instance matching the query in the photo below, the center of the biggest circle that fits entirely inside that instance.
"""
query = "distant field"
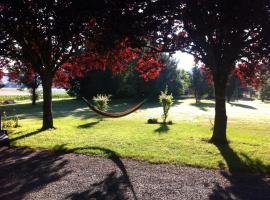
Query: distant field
(12, 91)
(22, 95)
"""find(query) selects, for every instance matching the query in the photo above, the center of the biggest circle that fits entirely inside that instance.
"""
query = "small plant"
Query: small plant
(16, 121)
(101, 101)
(170, 122)
(152, 121)
(166, 100)
(10, 122)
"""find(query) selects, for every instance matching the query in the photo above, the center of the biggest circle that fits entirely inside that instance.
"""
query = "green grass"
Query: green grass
(15, 97)
(184, 142)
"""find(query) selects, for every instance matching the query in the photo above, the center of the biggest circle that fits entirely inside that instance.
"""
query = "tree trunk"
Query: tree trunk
(47, 103)
(34, 96)
(220, 126)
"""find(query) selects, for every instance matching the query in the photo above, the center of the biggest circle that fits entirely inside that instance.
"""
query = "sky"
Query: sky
(185, 60)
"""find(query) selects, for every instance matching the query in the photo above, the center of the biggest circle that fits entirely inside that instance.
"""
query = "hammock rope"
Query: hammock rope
(114, 114)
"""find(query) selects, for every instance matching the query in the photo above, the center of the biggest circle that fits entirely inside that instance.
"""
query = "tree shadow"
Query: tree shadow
(88, 125)
(74, 107)
(25, 135)
(242, 106)
(203, 106)
(112, 187)
(243, 184)
(163, 128)
(23, 170)
(156, 104)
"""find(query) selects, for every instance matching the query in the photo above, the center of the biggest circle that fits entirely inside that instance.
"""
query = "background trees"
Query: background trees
(265, 90)
(199, 84)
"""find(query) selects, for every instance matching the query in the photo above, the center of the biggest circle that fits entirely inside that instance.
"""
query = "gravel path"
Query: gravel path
(42, 174)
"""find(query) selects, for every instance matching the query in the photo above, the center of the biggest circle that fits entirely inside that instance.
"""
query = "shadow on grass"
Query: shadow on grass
(203, 106)
(242, 185)
(25, 135)
(23, 171)
(112, 187)
(163, 128)
(242, 106)
(74, 107)
(88, 125)
(156, 104)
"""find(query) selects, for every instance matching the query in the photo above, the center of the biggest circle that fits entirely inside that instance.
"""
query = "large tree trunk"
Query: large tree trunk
(47, 103)
(220, 126)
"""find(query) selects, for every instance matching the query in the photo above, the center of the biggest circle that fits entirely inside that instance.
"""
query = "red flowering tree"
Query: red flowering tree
(121, 58)
(254, 75)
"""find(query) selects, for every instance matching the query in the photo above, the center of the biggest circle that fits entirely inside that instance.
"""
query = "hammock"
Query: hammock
(114, 114)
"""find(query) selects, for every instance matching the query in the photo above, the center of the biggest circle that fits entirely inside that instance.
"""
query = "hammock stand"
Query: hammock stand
(114, 114)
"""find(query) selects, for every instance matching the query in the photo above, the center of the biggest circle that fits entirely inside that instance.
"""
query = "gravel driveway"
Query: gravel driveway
(43, 174)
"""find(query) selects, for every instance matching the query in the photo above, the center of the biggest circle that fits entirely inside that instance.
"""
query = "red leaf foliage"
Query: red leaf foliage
(119, 59)
(249, 74)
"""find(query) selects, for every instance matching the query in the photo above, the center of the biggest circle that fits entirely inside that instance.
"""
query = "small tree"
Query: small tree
(166, 101)
(101, 102)
(26, 77)
(185, 82)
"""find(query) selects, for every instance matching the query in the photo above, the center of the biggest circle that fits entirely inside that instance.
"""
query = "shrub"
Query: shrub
(10, 122)
(7, 123)
(170, 122)
(152, 121)
(166, 101)
(101, 101)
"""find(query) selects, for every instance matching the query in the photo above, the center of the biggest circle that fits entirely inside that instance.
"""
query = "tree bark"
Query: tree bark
(220, 126)
(34, 95)
(47, 102)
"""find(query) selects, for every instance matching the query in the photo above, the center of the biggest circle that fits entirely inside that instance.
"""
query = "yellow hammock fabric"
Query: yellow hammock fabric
(114, 114)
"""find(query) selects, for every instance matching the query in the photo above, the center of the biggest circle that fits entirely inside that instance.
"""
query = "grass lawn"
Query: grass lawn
(184, 142)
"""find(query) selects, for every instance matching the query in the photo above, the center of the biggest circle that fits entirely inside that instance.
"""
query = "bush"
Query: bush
(101, 101)
(170, 122)
(152, 121)
(166, 101)
(10, 122)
